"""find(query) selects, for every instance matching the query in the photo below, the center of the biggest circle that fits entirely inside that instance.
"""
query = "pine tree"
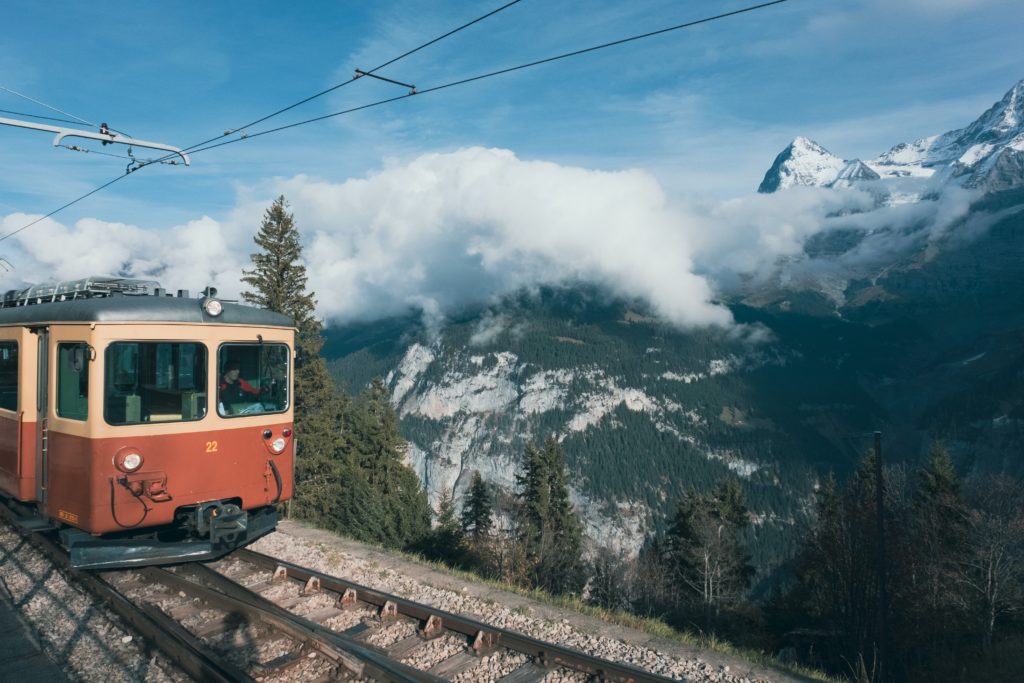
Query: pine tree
(940, 533)
(278, 276)
(534, 496)
(278, 281)
(562, 566)
(476, 515)
(547, 525)
(838, 565)
(446, 542)
(377, 449)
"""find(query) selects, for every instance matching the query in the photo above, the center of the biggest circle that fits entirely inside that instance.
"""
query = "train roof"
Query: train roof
(139, 308)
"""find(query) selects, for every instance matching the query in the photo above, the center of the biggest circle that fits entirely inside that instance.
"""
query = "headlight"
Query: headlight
(128, 460)
(278, 444)
(213, 307)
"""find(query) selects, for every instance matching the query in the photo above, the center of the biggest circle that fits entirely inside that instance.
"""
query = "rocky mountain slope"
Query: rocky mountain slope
(922, 340)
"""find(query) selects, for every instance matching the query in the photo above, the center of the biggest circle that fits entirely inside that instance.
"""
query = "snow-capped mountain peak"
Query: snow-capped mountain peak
(803, 162)
(1003, 120)
(964, 150)
(988, 154)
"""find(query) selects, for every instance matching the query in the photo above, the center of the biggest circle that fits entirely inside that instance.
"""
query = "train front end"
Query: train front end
(163, 427)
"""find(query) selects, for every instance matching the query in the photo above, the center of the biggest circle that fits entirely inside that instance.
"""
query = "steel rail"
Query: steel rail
(156, 628)
(484, 635)
(355, 656)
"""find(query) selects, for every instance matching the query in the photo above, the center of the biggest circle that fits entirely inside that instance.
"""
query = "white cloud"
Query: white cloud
(448, 230)
(475, 224)
(189, 256)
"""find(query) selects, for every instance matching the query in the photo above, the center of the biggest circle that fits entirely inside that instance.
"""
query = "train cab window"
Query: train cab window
(9, 375)
(154, 382)
(73, 380)
(252, 379)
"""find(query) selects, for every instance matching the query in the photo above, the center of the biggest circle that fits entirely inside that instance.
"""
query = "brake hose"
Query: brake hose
(113, 510)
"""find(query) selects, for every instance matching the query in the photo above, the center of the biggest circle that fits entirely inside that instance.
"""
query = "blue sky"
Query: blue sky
(701, 111)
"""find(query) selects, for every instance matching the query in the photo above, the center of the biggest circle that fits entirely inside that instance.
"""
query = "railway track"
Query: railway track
(251, 617)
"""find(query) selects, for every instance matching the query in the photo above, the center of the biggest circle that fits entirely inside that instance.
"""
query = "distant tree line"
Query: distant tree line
(953, 569)
(953, 566)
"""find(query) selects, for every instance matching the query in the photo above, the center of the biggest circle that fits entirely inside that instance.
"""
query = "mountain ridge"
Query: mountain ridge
(966, 156)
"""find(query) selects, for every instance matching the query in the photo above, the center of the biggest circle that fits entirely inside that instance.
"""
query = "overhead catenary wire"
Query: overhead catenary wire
(69, 204)
(36, 116)
(44, 104)
(60, 111)
(206, 146)
(353, 79)
(491, 74)
(257, 121)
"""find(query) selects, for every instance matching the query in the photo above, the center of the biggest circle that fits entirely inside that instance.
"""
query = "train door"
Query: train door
(11, 469)
(42, 410)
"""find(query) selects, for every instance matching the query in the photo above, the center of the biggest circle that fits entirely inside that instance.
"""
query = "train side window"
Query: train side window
(252, 379)
(73, 380)
(154, 382)
(9, 375)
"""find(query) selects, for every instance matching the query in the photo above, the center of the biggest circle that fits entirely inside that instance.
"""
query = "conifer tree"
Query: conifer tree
(837, 568)
(278, 281)
(446, 541)
(562, 566)
(278, 276)
(534, 496)
(939, 520)
(547, 525)
(377, 449)
(476, 513)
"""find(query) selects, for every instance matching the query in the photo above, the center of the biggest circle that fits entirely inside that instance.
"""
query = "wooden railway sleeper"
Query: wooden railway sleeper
(481, 635)
(255, 613)
(194, 658)
(361, 659)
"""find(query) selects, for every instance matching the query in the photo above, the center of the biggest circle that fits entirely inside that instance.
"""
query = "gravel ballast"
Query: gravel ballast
(90, 645)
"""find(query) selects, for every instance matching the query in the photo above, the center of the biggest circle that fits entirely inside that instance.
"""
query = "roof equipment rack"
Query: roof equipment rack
(85, 288)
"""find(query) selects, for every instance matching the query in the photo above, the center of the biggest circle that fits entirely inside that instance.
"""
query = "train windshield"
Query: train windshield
(154, 382)
(252, 379)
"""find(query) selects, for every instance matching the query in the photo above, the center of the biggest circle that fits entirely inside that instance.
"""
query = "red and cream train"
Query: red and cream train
(124, 427)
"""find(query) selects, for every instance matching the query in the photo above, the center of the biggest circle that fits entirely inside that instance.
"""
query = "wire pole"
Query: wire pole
(883, 601)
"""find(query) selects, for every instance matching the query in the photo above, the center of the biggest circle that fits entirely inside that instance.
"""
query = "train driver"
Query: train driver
(234, 389)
